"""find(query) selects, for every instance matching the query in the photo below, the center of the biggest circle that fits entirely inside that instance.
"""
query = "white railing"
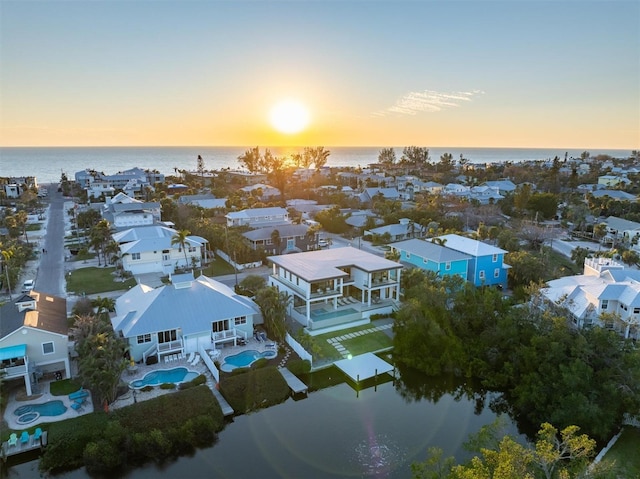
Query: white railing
(209, 363)
(170, 346)
(152, 350)
(15, 371)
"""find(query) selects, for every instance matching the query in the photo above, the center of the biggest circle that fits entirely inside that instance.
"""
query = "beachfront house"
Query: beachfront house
(258, 217)
(34, 338)
(430, 256)
(338, 287)
(605, 286)
(149, 249)
(183, 317)
(486, 266)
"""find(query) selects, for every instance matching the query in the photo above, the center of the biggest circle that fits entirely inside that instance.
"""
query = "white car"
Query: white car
(28, 285)
(323, 243)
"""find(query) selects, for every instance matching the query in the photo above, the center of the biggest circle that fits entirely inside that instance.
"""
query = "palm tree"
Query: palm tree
(104, 305)
(7, 254)
(180, 239)
(275, 239)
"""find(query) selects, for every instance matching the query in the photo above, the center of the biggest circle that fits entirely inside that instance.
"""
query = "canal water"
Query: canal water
(337, 431)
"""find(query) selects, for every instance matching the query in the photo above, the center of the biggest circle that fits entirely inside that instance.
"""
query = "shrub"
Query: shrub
(238, 371)
(299, 367)
(168, 386)
(197, 381)
(147, 388)
(260, 363)
(101, 457)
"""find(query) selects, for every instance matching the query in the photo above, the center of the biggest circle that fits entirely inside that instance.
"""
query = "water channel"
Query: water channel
(334, 432)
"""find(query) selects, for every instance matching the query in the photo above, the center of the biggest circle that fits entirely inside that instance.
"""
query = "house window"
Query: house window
(135, 256)
(623, 306)
(240, 320)
(220, 326)
(605, 304)
(495, 258)
(47, 348)
(496, 273)
(408, 255)
(447, 265)
(481, 274)
(291, 243)
(425, 260)
(167, 336)
(144, 338)
(636, 310)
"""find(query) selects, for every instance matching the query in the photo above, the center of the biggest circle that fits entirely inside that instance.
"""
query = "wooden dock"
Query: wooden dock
(227, 410)
(293, 382)
(20, 448)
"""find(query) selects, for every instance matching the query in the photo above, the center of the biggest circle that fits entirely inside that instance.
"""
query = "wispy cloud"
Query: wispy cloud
(427, 100)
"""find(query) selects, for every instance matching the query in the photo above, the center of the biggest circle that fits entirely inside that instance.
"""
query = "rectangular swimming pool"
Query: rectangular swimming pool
(322, 314)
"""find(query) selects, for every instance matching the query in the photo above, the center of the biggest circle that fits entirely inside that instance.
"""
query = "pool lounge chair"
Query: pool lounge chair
(37, 434)
(24, 437)
(80, 393)
(13, 440)
(77, 406)
(191, 356)
(196, 360)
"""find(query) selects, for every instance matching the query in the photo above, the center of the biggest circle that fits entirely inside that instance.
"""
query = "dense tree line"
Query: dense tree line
(546, 370)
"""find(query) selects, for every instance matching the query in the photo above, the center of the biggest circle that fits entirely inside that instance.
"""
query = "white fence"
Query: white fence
(209, 363)
(300, 351)
(239, 267)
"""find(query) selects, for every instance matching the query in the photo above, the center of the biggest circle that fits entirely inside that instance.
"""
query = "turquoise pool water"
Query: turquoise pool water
(320, 314)
(244, 359)
(30, 412)
(162, 376)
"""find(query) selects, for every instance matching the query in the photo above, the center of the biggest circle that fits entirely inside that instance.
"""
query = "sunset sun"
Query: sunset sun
(289, 117)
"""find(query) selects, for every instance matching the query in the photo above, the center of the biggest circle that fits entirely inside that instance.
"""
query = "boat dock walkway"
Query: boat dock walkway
(227, 410)
(19, 448)
(293, 382)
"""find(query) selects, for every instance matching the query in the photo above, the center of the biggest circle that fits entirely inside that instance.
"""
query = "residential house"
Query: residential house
(502, 186)
(619, 229)
(100, 188)
(262, 191)
(34, 338)
(486, 266)
(188, 315)
(612, 180)
(258, 217)
(614, 195)
(431, 256)
(338, 287)
(122, 211)
(404, 229)
(289, 239)
(207, 201)
(245, 177)
(604, 287)
(148, 249)
(369, 195)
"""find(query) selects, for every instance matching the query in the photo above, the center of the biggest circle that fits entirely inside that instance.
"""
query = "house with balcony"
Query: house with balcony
(183, 317)
(259, 217)
(338, 287)
(122, 212)
(605, 286)
(486, 266)
(289, 239)
(33, 338)
(431, 256)
(149, 249)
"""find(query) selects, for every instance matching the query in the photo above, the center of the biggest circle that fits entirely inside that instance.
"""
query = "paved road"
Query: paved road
(50, 278)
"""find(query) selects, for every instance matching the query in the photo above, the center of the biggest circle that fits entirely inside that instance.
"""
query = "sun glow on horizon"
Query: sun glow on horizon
(289, 117)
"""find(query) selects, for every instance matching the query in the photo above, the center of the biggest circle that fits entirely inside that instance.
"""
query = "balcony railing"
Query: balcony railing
(15, 371)
(170, 346)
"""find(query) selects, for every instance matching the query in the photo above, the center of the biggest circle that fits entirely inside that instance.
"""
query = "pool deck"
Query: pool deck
(13, 404)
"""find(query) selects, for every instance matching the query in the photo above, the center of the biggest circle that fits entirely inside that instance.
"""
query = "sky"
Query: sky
(517, 73)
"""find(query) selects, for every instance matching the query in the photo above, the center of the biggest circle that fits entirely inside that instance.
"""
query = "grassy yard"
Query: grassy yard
(34, 227)
(373, 341)
(218, 267)
(624, 453)
(95, 280)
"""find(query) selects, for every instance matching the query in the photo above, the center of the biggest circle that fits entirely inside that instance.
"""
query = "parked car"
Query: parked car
(323, 243)
(28, 285)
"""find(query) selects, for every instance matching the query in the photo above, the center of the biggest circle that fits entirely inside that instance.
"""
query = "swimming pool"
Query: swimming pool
(321, 314)
(162, 376)
(30, 412)
(245, 359)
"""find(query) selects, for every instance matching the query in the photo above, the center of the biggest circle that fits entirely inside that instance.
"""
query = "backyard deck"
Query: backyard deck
(20, 448)
(364, 366)
(293, 382)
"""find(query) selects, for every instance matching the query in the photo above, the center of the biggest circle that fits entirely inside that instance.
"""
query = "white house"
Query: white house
(265, 192)
(258, 217)
(183, 317)
(604, 287)
(122, 211)
(34, 338)
(148, 249)
(339, 287)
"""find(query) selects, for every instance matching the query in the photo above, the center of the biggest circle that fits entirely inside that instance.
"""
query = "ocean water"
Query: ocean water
(48, 163)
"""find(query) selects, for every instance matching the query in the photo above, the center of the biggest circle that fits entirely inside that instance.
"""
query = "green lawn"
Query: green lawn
(34, 227)
(218, 267)
(95, 280)
(362, 344)
(624, 453)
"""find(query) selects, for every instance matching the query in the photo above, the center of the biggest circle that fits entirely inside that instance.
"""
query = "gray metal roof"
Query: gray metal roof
(285, 231)
(429, 250)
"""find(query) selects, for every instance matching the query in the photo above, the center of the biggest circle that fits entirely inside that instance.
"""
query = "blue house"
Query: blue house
(486, 266)
(433, 257)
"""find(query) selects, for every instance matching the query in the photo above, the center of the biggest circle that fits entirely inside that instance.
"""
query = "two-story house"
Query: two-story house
(288, 239)
(122, 212)
(604, 287)
(34, 338)
(258, 217)
(150, 249)
(339, 287)
(183, 317)
(486, 266)
(431, 256)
